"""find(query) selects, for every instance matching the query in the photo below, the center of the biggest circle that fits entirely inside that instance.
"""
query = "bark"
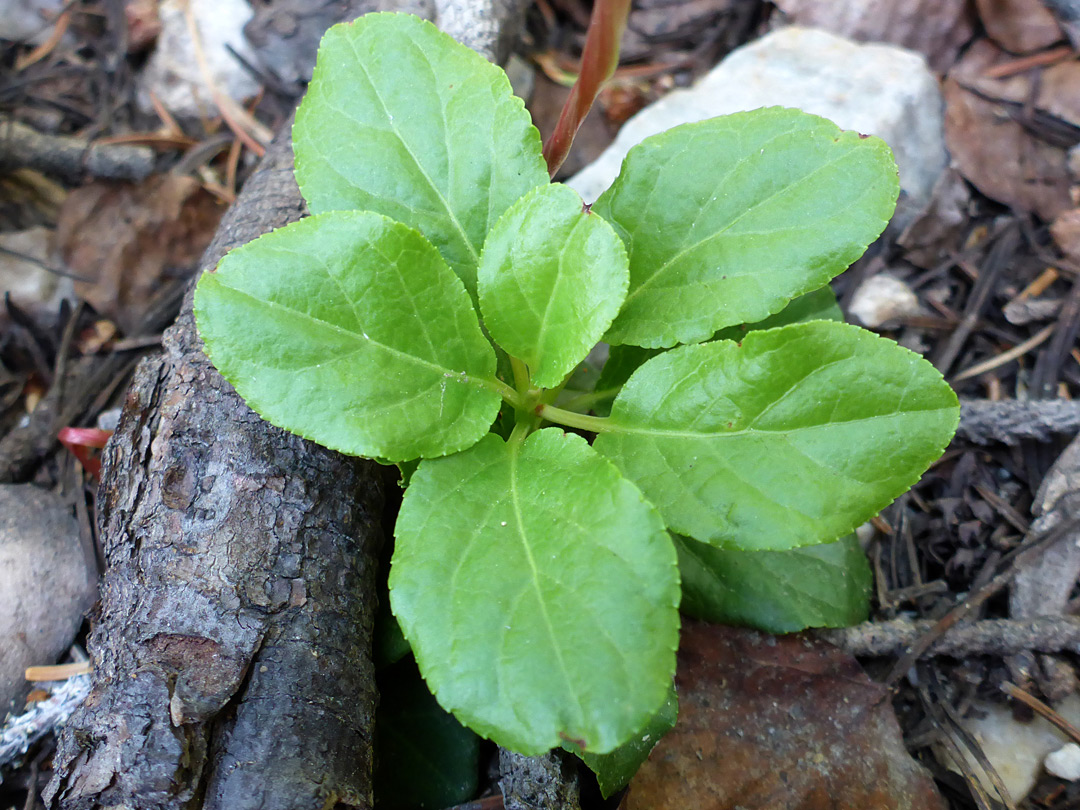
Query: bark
(547, 782)
(232, 664)
(1010, 420)
(232, 650)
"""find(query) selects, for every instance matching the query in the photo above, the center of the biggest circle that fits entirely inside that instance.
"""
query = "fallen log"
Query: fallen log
(231, 654)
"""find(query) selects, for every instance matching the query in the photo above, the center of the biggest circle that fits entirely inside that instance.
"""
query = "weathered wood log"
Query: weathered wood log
(232, 664)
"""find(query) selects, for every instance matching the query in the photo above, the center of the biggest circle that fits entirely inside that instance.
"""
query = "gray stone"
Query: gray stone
(1043, 586)
(29, 20)
(45, 585)
(1065, 762)
(875, 89)
(285, 34)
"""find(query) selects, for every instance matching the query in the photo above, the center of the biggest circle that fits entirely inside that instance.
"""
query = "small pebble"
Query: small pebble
(1065, 762)
(881, 299)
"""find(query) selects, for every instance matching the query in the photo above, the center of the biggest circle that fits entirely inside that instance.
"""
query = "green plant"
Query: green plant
(439, 305)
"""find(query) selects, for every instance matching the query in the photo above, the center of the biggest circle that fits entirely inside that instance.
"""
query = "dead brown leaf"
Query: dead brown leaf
(939, 229)
(989, 145)
(937, 29)
(128, 237)
(1059, 91)
(1019, 26)
(767, 722)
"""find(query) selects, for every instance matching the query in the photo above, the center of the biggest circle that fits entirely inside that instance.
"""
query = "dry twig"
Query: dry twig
(997, 637)
(70, 158)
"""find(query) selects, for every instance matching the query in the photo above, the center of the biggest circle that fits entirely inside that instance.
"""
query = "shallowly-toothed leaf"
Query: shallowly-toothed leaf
(625, 359)
(728, 219)
(552, 277)
(538, 591)
(615, 770)
(424, 757)
(793, 437)
(401, 119)
(827, 585)
(349, 329)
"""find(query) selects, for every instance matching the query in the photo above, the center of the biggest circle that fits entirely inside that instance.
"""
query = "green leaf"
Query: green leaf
(350, 330)
(793, 437)
(552, 277)
(819, 305)
(728, 219)
(401, 119)
(624, 360)
(424, 757)
(615, 770)
(827, 585)
(538, 591)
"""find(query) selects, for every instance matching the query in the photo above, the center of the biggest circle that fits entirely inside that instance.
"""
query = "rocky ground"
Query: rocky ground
(124, 140)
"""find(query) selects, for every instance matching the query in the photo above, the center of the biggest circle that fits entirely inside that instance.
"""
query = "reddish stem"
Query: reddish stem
(598, 63)
(80, 440)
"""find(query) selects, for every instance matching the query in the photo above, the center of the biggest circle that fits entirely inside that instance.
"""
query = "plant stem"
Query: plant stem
(595, 424)
(598, 63)
(509, 395)
(551, 394)
(522, 428)
(521, 375)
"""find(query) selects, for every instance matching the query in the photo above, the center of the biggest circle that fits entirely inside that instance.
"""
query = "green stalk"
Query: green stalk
(581, 421)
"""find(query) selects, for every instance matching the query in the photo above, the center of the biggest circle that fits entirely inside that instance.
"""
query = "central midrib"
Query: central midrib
(519, 520)
(616, 428)
(449, 373)
(390, 121)
(688, 248)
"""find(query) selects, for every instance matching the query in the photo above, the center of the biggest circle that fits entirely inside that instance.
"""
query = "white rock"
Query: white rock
(1015, 749)
(172, 73)
(865, 535)
(875, 89)
(45, 584)
(1065, 762)
(883, 298)
(23, 271)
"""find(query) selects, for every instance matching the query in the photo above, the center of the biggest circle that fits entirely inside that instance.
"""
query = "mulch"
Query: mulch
(998, 292)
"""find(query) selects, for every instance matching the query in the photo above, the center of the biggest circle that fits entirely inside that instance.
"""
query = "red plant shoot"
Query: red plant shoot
(598, 63)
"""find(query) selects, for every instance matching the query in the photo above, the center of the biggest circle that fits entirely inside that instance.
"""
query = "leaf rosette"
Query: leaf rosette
(534, 577)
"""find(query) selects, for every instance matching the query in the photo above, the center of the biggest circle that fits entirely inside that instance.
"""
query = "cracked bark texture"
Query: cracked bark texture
(232, 664)
(232, 650)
